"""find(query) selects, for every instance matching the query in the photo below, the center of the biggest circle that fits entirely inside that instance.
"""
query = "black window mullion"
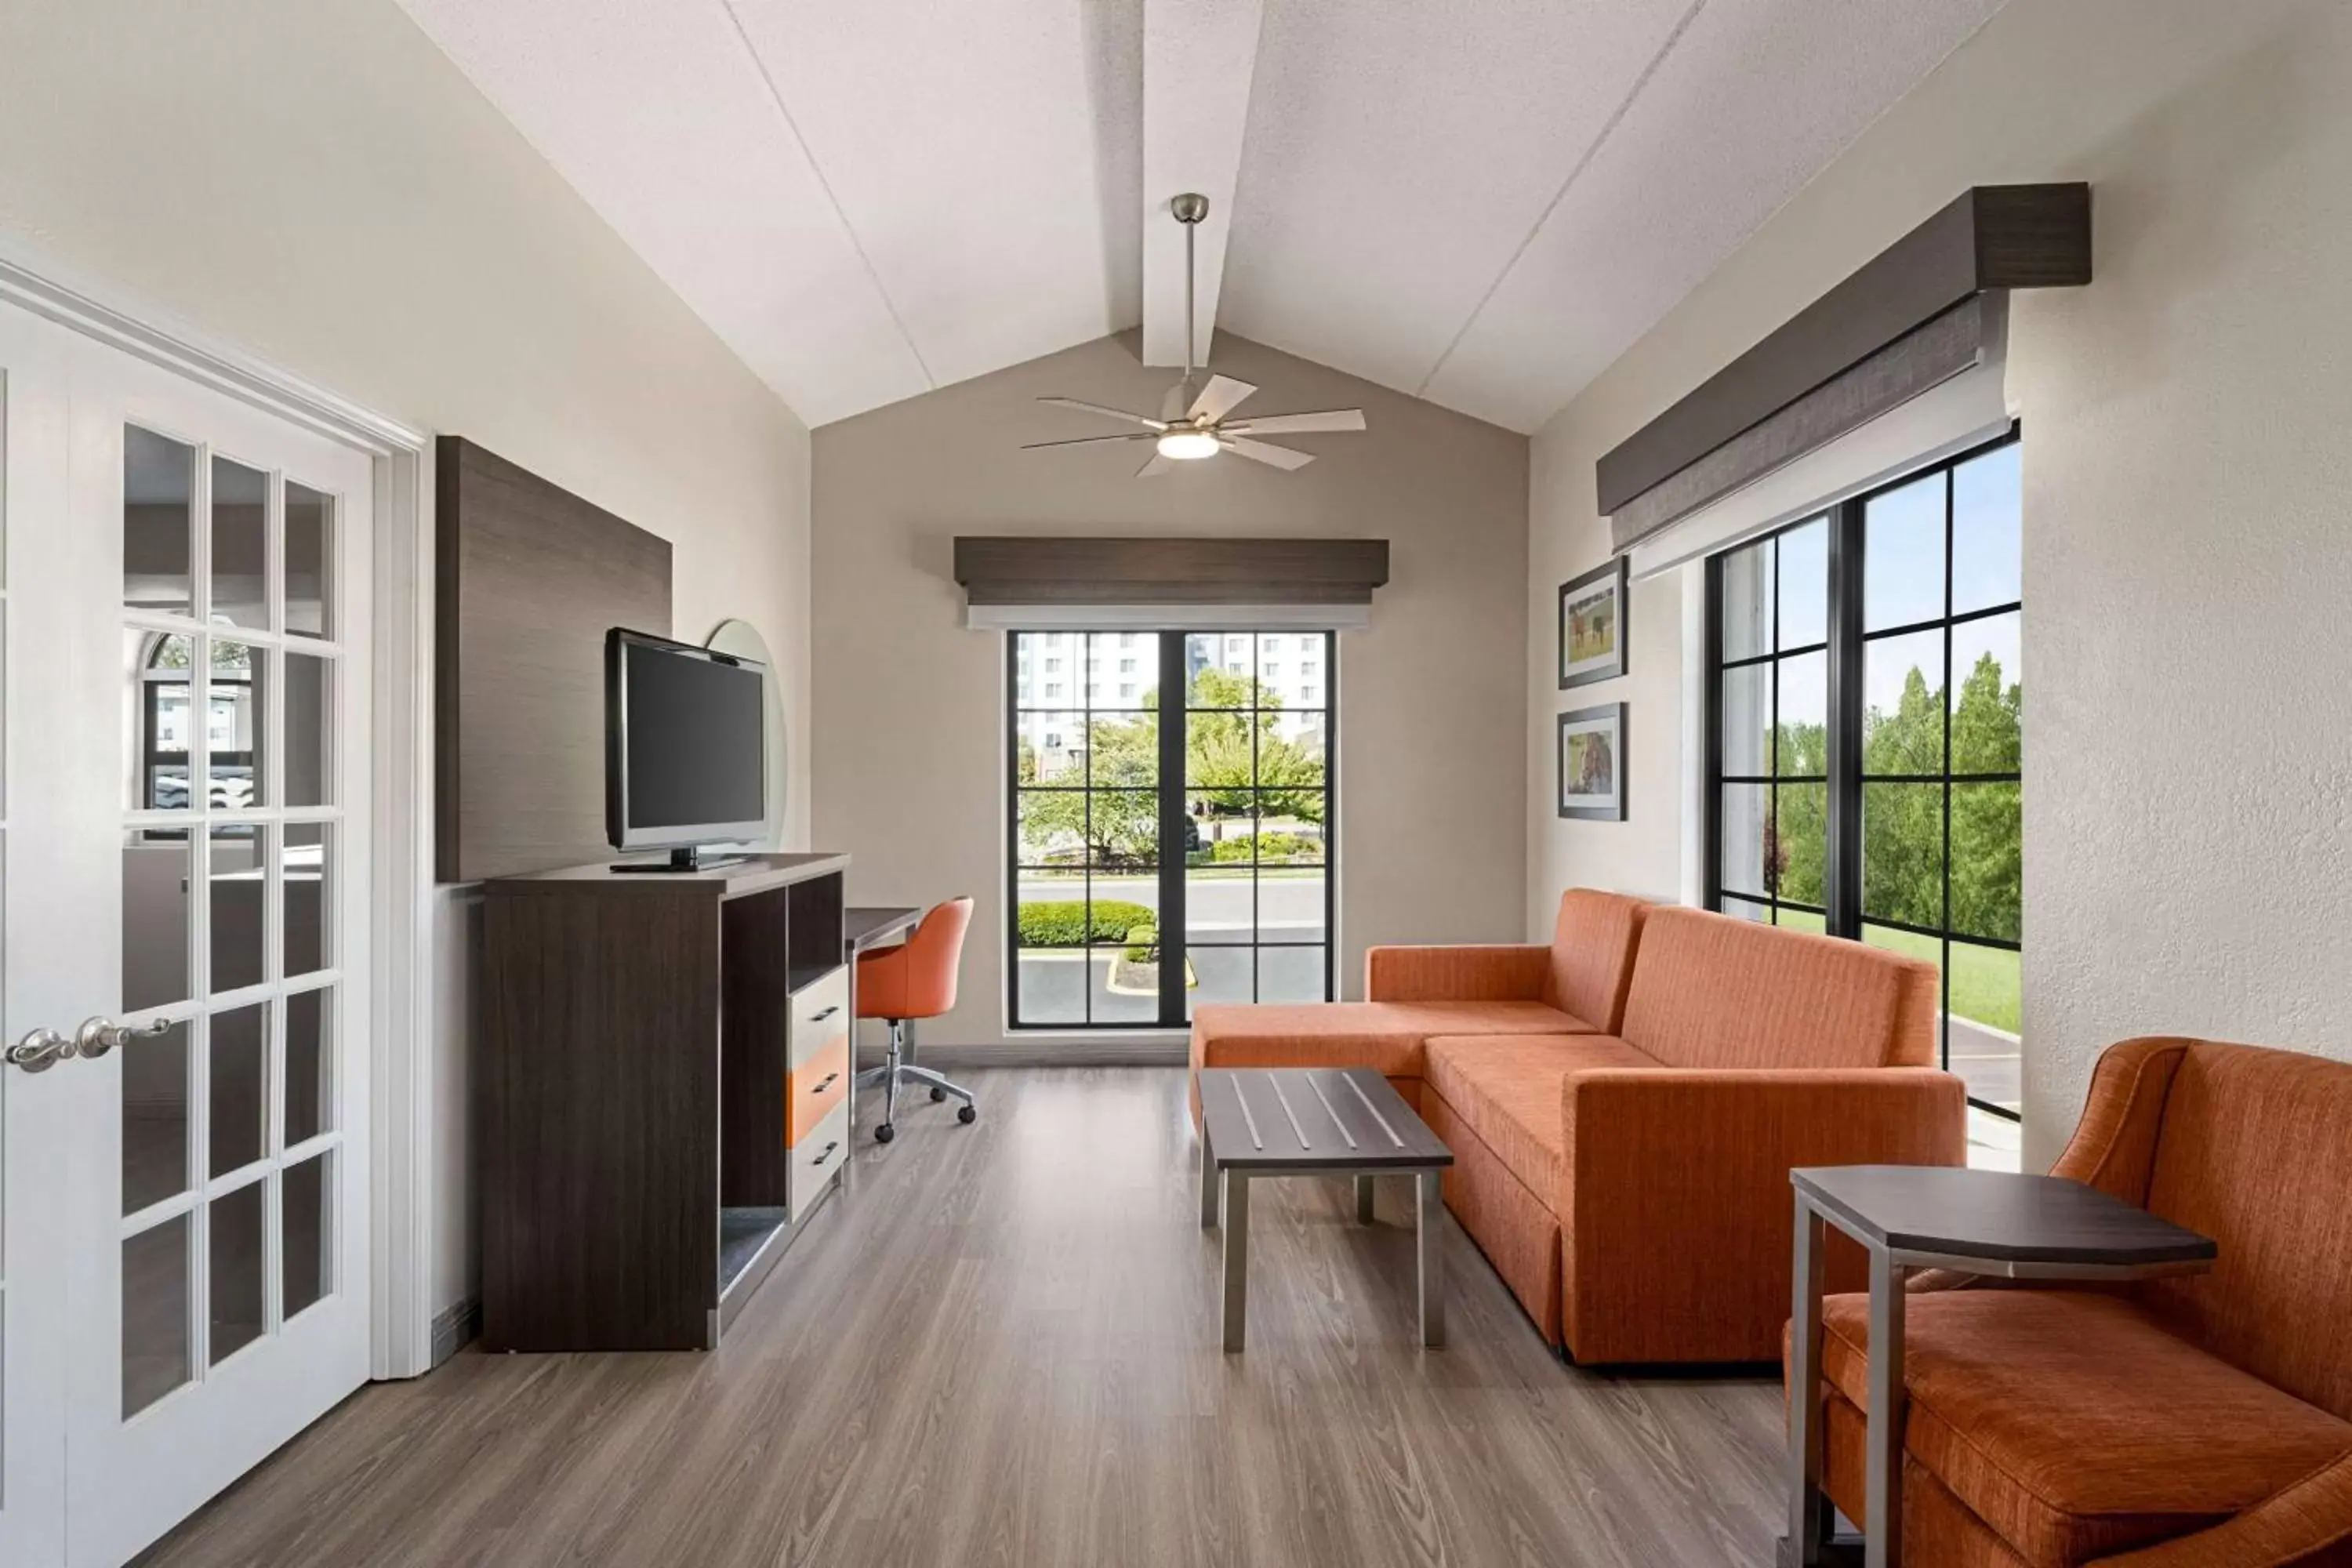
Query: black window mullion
(1944, 945)
(1711, 816)
(1174, 720)
(1842, 880)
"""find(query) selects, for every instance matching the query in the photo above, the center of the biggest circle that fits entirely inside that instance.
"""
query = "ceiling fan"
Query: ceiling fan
(1192, 427)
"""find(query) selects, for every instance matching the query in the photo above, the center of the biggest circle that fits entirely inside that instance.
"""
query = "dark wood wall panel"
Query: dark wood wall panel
(1048, 570)
(530, 576)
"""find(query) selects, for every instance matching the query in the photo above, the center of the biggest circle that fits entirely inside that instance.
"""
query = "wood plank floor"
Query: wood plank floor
(1001, 1347)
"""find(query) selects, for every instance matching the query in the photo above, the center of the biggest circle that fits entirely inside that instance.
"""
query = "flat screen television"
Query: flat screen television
(685, 752)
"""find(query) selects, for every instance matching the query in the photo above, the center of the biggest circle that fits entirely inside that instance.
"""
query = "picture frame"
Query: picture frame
(1593, 629)
(1588, 757)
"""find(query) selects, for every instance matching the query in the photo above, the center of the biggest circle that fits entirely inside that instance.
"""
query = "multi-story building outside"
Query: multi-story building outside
(1059, 677)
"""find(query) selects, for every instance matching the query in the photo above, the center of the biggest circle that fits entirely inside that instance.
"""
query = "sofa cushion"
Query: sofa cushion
(1712, 991)
(1594, 944)
(1387, 1036)
(2255, 1151)
(2074, 1425)
(1507, 1091)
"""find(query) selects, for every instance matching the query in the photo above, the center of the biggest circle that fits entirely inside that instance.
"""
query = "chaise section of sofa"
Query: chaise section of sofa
(1632, 1187)
(1576, 986)
(2196, 1421)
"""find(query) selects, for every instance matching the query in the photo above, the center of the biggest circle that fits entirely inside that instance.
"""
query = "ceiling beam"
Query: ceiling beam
(1197, 59)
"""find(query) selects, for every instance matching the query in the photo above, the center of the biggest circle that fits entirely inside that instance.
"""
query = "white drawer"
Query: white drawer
(814, 1159)
(820, 1016)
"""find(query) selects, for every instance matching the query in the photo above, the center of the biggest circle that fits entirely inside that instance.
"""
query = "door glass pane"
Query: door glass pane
(240, 544)
(1053, 985)
(1221, 750)
(1902, 704)
(1123, 749)
(234, 878)
(1747, 810)
(159, 498)
(1804, 737)
(1988, 705)
(1987, 501)
(310, 1065)
(308, 561)
(307, 736)
(1290, 974)
(1804, 583)
(236, 703)
(309, 1245)
(1747, 720)
(234, 1277)
(1903, 555)
(155, 1118)
(1219, 975)
(1123, 830)
(161, 721)
(1290, 904)
(1124, 984)
(1053, 827)
(1982, 1036)
(237, 1102)
(1800, 843)
(155, 914)
(1903, 853)
(1220, 904)
(1048, 747)
(1222, 667)
(306, 888)
(155, 1357)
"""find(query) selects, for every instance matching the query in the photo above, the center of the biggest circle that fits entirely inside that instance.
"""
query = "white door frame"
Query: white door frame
(401, 827)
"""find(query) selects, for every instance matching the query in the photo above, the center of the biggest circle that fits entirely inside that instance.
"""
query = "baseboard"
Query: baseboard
(455, 1327)
(1072, 1053)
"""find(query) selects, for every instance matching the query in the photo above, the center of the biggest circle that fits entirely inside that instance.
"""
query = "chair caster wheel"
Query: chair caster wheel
(884, 1133)
(968, 1115)
(938, 1094)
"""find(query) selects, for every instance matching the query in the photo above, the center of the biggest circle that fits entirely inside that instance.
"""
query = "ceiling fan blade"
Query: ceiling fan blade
(1089, 440)
(1154, 468)
(1220, 397)
(1329, 422)
(1258, 451)
(1106, 411)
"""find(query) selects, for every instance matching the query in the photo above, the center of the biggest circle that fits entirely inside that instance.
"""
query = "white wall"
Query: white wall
(2189, 795)
(909, 705)
(314, 182)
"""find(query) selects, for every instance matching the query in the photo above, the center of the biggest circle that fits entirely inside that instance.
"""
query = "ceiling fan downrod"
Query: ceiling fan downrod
(1188, 209)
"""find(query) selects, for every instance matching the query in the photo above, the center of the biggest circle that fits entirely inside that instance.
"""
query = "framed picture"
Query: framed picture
(1592, 763)
(1592, 626)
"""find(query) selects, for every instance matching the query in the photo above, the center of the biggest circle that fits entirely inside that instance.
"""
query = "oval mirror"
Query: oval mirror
(744, 641)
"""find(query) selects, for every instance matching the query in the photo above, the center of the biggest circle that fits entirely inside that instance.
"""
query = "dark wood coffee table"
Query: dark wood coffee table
(1927, 1216)
(1315, 1121)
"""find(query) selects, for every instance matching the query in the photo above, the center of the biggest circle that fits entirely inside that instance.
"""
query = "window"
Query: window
(1865, 715)
(1181, 854)
(1126, 667)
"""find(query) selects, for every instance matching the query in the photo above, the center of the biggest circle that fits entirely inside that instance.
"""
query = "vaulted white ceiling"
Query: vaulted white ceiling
(1482, 202)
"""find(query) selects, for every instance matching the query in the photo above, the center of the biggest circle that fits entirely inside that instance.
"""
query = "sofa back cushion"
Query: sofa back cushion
(2255, 1151)
(1592, 946)
(1711, 990)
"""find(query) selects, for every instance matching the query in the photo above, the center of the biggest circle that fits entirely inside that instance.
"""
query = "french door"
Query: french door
(183, 867)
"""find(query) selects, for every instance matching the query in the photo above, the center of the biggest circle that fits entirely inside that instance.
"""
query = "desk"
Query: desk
(1989, 1223)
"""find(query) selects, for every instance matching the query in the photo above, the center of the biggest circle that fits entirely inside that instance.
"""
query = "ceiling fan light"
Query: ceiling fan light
(1183, 446)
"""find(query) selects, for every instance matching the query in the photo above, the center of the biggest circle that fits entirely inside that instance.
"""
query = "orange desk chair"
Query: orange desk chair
(916, 979)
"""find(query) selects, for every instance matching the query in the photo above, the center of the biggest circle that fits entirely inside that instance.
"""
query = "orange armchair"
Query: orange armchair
(916, 979)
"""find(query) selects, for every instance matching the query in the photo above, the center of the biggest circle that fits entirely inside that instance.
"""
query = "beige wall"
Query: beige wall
(909, 705)
(2189, 795)
(312, 181)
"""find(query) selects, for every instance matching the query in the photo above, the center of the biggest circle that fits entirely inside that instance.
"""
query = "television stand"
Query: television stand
(681, 862)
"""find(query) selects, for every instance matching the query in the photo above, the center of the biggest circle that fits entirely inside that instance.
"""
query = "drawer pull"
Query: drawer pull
(829, 1012)
(827, 1084)
(822, 1158)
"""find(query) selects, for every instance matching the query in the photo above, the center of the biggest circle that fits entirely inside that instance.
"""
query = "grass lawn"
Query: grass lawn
(1984, 979)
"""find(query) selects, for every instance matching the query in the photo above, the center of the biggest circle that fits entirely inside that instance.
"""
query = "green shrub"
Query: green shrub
(1062, 923)
(1272, 847)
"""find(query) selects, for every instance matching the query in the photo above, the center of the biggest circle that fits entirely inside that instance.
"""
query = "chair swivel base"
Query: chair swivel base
(895, 1070)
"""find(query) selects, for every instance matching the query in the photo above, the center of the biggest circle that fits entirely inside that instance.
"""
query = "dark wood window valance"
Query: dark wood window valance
(1125, 572)
(1909, 318)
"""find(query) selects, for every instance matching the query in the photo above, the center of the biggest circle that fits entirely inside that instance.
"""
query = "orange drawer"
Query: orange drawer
(814, 1089)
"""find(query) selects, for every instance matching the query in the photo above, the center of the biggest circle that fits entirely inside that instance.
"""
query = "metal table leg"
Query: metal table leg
(1363, 1200)
(1808, 1515)
(1882, 1473)
(1237, 1186)
(1429, 1209)
(1208, 1180)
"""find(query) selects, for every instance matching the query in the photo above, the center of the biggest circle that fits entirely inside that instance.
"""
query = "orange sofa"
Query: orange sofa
(1575, 986)
(1628, 1176)
(2199, 1422)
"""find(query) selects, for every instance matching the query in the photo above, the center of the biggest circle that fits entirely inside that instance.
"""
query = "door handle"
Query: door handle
(40, 1050)
(99, 1035)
